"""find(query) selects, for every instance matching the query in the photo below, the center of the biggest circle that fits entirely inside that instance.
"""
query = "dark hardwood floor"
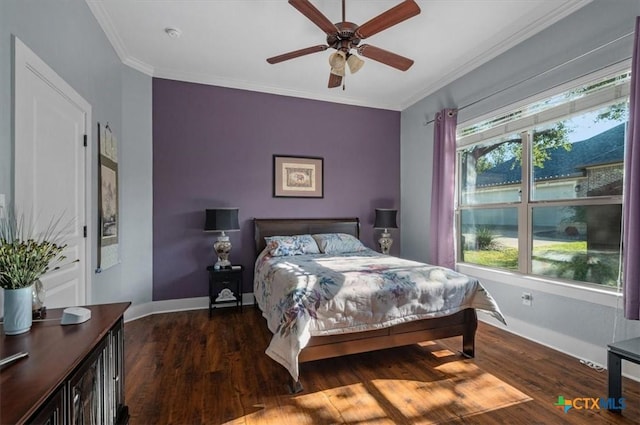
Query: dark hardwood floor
(184, 368)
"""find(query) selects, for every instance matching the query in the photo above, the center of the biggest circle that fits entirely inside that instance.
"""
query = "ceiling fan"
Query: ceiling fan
(346, 36)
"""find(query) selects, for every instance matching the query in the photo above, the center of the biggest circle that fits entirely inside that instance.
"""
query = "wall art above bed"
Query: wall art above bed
(298, 177)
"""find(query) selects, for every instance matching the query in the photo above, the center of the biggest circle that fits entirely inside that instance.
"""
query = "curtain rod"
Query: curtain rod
(427, 122)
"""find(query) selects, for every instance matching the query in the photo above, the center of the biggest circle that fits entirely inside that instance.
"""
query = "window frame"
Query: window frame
(525, 127)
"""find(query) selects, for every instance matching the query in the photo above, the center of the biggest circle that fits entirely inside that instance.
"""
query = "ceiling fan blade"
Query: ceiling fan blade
(385, 57)
(334, 80)
(297, 53)
(405, 10)
(314, 15)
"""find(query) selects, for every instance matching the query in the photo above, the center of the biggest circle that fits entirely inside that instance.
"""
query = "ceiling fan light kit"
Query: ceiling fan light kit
(346, 36)
(337, 61)
(354, 63)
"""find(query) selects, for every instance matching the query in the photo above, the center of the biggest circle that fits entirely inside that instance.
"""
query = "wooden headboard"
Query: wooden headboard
(263, 227)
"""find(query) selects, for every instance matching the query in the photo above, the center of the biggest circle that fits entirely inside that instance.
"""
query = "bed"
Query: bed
(331, 303)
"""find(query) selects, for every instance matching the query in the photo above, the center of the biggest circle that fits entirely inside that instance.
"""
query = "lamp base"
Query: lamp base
(385, 242)
(222, 248)
(222, 264)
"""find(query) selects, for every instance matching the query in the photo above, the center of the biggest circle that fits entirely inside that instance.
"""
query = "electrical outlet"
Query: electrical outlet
(526, 298)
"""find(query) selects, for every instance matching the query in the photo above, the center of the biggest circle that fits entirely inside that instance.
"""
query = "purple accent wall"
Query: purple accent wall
(214, 147)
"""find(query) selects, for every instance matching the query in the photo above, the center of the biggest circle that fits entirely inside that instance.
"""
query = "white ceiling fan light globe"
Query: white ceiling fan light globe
(354, 63)
(338, 71)
(337, 59)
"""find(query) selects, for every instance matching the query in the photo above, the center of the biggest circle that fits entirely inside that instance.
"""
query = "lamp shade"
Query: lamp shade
(385, 219)
(337, 61)
(221, 220)
(354, 63)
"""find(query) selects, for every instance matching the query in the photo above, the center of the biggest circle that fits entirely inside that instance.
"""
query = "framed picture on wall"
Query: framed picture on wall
(298, 177)
(108, 209)
(108, 201)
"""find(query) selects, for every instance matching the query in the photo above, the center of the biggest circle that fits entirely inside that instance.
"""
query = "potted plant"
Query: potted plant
(24, 257)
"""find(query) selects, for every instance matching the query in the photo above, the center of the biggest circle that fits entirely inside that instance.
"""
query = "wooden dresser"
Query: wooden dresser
(74, 374)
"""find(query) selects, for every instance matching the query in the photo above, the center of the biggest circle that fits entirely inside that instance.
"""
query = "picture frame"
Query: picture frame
(108, 188)
(108, 200)
(298, 176)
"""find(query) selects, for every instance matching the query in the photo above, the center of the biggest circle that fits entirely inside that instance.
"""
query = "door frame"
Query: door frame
(25, 60)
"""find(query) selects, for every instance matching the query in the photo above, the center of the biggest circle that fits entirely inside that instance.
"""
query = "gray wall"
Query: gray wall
(582, 328)
(68, 38)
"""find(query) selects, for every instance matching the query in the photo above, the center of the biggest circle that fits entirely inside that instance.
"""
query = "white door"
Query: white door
(51, 172)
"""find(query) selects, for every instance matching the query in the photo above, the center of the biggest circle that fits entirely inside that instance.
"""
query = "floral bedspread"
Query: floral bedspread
(318, 294)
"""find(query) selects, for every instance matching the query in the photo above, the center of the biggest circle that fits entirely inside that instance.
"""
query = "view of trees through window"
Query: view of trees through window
(562, 180)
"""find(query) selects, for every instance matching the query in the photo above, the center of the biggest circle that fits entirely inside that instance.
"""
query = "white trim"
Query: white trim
(138, 311)
(604, 297)
(102, 16)
(527, 31)
(588, 103)
(576, 348)
(25, 58)
(343, 98)
(138, 65)
(515, 326)
(109, 29)
(569, 85)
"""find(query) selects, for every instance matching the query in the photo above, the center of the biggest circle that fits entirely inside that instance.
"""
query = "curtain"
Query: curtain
(631, 213)
(441, 239)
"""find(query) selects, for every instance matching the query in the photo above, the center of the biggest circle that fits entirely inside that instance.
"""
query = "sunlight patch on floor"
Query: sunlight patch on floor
(466, 392)
(443, 353)
(350, 404)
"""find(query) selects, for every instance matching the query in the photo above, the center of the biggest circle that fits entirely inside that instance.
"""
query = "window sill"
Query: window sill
(605, 297)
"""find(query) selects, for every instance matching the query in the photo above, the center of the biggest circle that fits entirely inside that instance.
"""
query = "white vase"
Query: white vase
(17, 310)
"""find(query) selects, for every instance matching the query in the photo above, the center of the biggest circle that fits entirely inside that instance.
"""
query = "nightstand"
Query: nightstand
(225, 286)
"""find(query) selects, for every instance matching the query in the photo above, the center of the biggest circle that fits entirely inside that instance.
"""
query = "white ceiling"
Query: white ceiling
(226, 43)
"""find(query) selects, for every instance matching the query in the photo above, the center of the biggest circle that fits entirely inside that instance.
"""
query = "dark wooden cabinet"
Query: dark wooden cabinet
(74, 374)
(53, 412)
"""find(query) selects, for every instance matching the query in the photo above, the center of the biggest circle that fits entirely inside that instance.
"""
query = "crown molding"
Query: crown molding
(247, 85)
(526, 32)
(109, 29)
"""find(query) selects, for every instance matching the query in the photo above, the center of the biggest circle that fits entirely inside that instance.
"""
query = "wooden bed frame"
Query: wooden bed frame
(463, 323)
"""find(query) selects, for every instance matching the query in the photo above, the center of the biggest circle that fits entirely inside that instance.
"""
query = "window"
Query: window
(540, 188)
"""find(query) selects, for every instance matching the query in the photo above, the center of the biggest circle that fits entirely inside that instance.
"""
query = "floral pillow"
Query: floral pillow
(280, 246)
(338, 243)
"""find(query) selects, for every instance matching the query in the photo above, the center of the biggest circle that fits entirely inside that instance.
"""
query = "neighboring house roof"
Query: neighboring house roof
(604, 148)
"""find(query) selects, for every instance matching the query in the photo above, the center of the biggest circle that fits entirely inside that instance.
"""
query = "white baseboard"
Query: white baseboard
(562, 343)
(138, 311)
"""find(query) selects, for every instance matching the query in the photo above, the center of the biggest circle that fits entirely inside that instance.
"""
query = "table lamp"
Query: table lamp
(222, 220)
(385, 219)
